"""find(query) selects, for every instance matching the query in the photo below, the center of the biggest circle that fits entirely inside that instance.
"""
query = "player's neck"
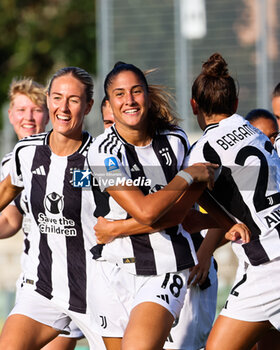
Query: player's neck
(64, 146)
(215, 118)
(136, 137)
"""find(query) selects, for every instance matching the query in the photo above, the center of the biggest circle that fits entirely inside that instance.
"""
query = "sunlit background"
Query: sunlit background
(174, 36)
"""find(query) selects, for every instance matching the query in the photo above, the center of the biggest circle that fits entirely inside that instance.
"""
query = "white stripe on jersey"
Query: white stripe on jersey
(248, 185)
(166, 251)
(62, 220)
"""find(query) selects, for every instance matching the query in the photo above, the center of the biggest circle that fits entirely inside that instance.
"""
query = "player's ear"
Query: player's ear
(89, 106)
(194, 106)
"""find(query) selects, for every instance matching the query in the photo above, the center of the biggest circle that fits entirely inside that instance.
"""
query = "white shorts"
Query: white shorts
(74, 331)
(190, 331)
(35, 306)
(117, 292)
(255, 295)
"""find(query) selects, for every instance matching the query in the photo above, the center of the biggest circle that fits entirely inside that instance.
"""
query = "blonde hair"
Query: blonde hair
(27, 86)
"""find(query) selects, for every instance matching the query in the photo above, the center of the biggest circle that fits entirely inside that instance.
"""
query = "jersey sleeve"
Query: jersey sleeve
(277, 145)
(196, 155)
(15, 168)
(107, 170)
(5, 169)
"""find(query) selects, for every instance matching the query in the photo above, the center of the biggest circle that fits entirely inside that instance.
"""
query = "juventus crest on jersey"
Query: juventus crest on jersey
(62, 220)
(248, 185)
(114, 161)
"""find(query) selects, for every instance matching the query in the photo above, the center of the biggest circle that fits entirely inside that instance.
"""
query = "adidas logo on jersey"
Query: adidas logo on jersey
(134, 168)
(39, 171)
(164, 297)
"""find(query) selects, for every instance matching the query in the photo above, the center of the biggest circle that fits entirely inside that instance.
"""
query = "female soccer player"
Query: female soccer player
(248, 187)
(55, 285)
(28, 114)
(132, 161)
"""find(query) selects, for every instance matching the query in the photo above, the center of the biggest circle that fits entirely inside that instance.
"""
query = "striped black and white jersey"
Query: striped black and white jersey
(277, 144)
(62, 220)
(21, 203)
(248, 185)
(150, 168)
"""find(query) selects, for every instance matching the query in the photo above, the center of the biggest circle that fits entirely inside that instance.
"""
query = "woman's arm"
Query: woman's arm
(10, 221)
(148, 209)
(8, 192)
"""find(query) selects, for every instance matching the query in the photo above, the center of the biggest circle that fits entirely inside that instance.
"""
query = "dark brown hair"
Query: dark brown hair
(161, 113)
(214, 90)
(78, 73)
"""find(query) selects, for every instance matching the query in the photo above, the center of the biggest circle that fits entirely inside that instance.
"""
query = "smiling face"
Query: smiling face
(129, 100)
(68, 105)
(26, 117)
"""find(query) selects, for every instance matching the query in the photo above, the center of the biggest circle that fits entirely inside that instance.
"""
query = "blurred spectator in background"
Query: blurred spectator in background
(276, 102)
(107, 113)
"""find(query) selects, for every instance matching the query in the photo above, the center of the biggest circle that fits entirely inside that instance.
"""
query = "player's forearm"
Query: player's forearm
(8, 192)
(10, 223)
(216, 211)
(196, 221)
(211, 242)
(173, 217)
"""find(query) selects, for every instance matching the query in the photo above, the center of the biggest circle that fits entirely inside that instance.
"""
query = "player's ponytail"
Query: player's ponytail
(214, 90)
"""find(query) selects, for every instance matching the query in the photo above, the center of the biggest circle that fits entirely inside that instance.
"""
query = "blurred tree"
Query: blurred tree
(38, 37)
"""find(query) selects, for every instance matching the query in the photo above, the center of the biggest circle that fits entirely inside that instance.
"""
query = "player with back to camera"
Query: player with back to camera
(137, 303)
(54, 288)
(267, 123)
(28, 114)
(248, 188)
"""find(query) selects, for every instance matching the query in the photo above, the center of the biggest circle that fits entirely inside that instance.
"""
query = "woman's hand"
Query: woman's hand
(105, 230)
(238, 231)
(199, 272)
(203, 172)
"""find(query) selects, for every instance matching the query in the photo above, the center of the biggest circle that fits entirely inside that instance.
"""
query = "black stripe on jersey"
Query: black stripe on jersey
(102, 209)
(180, 243)
(17, 203)
(30, 139)
(210, 127)
(76, 259)
(27, 141)
(86, 141)
(6, 158)
(181, 248)
(183, 140)
(110, 143)
(278, 229)
(143, 251)
(39, 182)
(165, 155)
(232, 200)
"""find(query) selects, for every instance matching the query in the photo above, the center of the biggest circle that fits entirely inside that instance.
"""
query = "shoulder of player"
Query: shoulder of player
(33, 140)
(177, 135)
(7, 157)
(108, 142)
